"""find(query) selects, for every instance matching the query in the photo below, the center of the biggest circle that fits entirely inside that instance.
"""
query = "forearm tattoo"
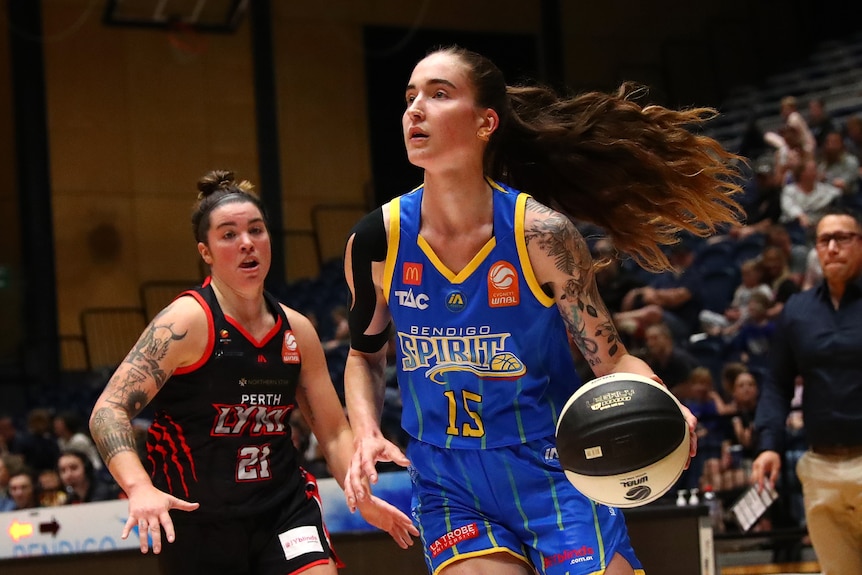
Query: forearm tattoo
(112, 434)
(127, 386)
(559, 238)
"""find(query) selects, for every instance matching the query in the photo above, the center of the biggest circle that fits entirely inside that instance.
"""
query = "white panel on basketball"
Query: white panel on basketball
(622, 440)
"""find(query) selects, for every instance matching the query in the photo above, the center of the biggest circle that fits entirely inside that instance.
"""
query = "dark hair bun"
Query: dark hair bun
(214, 181)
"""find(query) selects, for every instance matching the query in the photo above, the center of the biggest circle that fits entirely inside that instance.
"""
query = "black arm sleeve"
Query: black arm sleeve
(369, 245)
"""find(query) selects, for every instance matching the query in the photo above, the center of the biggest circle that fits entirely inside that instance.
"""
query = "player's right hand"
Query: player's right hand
(148, 510)
(362, 472)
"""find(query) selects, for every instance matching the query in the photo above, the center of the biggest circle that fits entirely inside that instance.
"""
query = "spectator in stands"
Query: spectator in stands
(613, 279)
(819, 337)
(23, 488)
(752, 144)
(10, 437)
(794, 120)
(796, 253)
(839, 168)
(776, 272)
(738, 450)
(752, 283)
(819, 121)
(763, 208)
(751, 343)
(6, 502)
(68, 428)
(80, 480)
(51, 490)
(705, 466)
(804, 200)
(793, 142)
(36, 445)
(340, 329)
(673, 298)
(729, 372)
(672, 363)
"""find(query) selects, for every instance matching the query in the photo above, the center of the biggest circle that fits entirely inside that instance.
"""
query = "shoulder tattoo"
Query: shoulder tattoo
(557, 236)
(143, 361)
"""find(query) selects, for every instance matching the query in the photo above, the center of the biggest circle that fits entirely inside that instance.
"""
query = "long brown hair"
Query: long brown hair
(640, 172)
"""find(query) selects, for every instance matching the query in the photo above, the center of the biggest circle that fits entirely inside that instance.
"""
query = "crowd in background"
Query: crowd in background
(705, 329)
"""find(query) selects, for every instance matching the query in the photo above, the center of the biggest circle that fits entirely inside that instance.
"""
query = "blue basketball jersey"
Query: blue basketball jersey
(483, 355)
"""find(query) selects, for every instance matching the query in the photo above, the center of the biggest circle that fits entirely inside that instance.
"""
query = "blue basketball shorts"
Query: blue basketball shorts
(514, 500)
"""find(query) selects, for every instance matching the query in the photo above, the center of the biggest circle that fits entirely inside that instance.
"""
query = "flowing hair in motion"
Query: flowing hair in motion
(642, 173)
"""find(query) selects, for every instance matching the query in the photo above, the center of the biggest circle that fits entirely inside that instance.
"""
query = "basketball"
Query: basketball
(622, 440)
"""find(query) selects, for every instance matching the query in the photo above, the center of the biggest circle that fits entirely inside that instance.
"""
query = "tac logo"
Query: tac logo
(412, 274)
(289, 348)
(407, 299)
(503, 289)
(455, 301)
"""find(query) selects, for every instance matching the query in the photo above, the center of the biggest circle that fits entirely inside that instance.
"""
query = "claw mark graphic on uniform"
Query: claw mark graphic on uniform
(504, 366)
(170, 434)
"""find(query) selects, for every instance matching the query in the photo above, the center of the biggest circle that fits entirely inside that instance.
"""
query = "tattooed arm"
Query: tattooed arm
(563, 266)
(177, 336)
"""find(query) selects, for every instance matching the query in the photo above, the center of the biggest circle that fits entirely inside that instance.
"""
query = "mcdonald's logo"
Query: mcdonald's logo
(412, 274)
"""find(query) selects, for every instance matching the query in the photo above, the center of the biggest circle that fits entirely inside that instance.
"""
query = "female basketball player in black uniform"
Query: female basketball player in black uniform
(224, 365)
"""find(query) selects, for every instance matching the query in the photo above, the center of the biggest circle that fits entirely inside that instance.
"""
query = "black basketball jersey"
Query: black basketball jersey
(221, 432)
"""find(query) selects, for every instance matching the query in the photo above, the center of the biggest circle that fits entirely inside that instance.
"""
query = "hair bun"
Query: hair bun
(214, 181)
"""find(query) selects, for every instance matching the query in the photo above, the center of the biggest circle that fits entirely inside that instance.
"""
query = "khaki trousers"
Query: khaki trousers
(832, 490)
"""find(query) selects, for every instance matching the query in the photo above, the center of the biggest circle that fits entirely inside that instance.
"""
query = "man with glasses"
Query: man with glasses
(819, 337)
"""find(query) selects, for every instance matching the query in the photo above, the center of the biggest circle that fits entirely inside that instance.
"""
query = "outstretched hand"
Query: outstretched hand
(148, 509)
(389, 518)
(362, 472)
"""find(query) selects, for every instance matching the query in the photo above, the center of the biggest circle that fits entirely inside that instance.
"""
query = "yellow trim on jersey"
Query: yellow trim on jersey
(521, 243)
(483, 552)
(394, 237)
(468, 269)
(496, 186)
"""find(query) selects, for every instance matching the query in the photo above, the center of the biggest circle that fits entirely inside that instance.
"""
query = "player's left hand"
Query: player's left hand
(389, 518)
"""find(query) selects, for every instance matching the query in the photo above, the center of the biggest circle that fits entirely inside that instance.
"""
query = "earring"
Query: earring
(483, 135)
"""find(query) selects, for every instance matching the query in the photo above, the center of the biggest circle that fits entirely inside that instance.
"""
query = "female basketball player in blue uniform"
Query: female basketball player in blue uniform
(483, 282)
(224, 365)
